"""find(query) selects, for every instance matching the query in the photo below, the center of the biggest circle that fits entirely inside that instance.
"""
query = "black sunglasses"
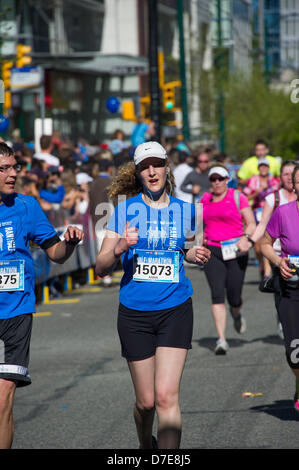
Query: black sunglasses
(217, 178)
(145, 166)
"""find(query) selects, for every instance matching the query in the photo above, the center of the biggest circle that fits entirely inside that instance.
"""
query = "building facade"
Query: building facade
(85, 60)
(289, 28)
(92, 50)
(232, 30)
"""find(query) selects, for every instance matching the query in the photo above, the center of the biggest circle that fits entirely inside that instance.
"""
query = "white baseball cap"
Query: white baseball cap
(263, 161)
(82, 178)
(218, 170)
(149, 149)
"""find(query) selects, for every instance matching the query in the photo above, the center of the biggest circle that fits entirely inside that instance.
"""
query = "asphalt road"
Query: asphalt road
(81, 395)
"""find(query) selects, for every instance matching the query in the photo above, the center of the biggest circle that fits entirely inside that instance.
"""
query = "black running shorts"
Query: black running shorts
(15, 334)
(141, 332)
(288, 311)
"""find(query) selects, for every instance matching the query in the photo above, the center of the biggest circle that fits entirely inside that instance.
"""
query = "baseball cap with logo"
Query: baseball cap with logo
(149, 149)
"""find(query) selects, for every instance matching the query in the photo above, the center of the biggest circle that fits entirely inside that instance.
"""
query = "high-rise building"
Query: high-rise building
(289, 28)
(267, 35)
(232, 30)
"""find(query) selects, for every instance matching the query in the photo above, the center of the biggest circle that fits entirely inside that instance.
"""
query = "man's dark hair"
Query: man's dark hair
(104, 164)
(5, 150)
(45, 142)
(261, 142)
(183, 156)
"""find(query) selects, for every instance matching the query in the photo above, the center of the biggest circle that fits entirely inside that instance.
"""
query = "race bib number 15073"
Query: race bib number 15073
(156, 266)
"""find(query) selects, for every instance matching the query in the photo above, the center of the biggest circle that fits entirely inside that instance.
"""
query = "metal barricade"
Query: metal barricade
(84, 255)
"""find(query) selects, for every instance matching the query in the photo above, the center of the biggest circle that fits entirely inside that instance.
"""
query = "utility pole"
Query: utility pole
(261, 23)
(180, 13)
(155, 108)
(220, 72)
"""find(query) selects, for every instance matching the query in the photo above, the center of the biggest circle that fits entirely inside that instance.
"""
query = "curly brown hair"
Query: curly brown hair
(127, 183)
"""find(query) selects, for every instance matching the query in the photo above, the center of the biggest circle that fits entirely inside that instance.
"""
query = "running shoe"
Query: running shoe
(221, 347)
(296, 402)
(239, 323)
(107, 281)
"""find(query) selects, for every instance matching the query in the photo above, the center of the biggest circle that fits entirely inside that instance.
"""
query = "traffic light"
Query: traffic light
(6, 73)
(6, 76)
(128, 111)
(145, 102)
(22, 55)
(168, 97)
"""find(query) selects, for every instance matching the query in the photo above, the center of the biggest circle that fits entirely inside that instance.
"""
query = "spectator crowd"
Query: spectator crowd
(69, 180)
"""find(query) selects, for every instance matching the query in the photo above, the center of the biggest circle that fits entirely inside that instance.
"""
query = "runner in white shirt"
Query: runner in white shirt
(180, 172)
(45, 155)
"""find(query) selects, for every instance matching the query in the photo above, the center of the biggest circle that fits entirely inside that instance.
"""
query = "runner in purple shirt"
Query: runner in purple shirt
(284, 224)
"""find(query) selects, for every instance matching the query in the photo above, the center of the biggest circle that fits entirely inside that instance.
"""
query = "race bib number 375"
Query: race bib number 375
(12, 275)
(156, 266)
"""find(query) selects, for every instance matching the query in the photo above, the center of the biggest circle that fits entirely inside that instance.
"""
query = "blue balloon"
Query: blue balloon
(4, 123)
(112, 104)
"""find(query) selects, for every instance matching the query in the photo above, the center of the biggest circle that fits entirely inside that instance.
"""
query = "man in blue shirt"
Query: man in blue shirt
(21, 221)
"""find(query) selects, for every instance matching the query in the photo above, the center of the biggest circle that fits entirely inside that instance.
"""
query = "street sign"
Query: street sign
(25, 77)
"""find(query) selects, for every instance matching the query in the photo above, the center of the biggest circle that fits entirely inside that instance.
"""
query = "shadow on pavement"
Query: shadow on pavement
(209, 342)
(281, 409)
(252, 283)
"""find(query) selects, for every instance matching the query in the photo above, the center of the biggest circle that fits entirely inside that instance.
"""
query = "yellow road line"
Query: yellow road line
(64, 301)
(42, 314)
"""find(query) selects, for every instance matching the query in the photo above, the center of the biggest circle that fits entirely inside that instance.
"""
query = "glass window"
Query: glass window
(115, 84)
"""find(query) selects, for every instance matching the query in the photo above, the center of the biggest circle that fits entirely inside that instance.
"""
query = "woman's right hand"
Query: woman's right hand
(128, 238)
(285, 270)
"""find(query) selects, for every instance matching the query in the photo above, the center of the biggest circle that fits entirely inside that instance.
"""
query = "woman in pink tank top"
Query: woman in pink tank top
(228, 223)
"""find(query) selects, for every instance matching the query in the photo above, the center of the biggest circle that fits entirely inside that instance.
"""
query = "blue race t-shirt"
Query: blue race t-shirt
(162, 236)
(21, 220)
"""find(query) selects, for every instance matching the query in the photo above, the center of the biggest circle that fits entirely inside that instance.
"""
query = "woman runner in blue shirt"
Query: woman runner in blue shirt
(148, 230)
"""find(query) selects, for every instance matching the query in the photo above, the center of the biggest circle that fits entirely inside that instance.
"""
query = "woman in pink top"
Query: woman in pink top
(225, 211)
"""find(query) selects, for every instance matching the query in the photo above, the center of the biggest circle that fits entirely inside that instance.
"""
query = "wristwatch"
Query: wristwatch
(72, 242)
(249, 239)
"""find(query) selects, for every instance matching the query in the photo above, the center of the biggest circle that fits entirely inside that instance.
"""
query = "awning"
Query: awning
(111, 64)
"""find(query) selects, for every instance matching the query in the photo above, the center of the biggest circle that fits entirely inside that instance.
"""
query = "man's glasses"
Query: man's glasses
(8, 168)
(145, 166)
(203, 161)
(217, 178)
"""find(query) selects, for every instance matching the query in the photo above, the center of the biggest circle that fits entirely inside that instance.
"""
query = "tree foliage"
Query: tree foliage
(255, 110)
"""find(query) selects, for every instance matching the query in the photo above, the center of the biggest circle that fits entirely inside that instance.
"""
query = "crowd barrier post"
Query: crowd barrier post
(68, 283)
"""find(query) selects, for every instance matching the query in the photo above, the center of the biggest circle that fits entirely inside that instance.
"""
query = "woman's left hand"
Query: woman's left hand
(199, 254)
